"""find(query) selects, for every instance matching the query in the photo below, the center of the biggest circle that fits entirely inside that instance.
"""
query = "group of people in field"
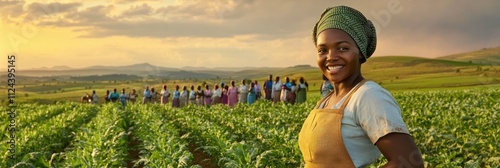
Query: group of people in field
(288, 91)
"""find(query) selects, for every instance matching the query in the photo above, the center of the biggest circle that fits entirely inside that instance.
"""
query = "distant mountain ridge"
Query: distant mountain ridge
(54, 68)
(148, 70)
(147, 66)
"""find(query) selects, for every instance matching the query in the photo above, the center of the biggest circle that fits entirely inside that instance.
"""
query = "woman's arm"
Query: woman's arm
(400, 150)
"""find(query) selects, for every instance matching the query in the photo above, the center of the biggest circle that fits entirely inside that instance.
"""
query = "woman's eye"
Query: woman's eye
(343, 49)
(321, 51)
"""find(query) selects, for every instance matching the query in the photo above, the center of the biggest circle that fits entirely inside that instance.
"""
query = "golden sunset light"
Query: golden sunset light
(227, 33)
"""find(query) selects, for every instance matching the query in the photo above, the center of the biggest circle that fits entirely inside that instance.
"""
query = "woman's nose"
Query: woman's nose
(332, 55)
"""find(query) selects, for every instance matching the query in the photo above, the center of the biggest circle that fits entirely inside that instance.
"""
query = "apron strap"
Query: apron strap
(346, 101)
(320, 103)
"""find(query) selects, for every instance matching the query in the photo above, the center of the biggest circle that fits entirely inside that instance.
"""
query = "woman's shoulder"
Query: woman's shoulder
(371, 86)
(371, 90)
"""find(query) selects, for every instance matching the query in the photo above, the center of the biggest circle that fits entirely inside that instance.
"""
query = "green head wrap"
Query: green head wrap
(353, 23)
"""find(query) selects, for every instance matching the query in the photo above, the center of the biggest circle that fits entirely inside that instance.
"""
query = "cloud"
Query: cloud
(143, 9)
(11, 8)
(438, 29)
(263, 19)
(129, 1)
(91, 16)
(37, 9)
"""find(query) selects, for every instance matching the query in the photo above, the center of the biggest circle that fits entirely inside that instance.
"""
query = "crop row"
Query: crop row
(101, 143)
(161, 143)
(258, 135)
(41, 140)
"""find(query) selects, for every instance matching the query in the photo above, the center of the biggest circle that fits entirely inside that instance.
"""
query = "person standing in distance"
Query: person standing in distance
(165, 95)
(276, 90)
(95, 98)
(147, 95)
(268, 88)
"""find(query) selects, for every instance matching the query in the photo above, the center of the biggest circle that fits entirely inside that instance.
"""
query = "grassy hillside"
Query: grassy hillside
(488, 56)
(397, 73)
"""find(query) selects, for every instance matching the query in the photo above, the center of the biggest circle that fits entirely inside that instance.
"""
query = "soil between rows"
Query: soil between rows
(201, 158)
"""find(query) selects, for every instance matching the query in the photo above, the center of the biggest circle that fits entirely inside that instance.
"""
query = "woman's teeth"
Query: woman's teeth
(337, 67)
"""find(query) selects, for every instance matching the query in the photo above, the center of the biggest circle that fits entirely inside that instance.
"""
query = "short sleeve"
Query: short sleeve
(378, 113)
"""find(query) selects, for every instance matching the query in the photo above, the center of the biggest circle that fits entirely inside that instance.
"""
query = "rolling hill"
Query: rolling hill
(487, 56)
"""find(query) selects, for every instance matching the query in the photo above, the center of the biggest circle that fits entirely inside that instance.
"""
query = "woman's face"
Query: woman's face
(338, 56)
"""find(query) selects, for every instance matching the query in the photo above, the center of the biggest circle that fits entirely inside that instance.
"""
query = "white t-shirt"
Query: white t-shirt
(192, 95)
(277, 86)
(302, 85)
(95, 98)
(184, 95)
(165, 93)
(216, 93)
(371, 114)
(243, 89)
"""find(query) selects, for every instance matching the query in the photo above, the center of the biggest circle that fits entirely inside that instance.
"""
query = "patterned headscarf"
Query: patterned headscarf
(353, 23)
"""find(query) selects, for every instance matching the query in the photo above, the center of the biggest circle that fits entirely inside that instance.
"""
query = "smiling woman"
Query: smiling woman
(360, 120)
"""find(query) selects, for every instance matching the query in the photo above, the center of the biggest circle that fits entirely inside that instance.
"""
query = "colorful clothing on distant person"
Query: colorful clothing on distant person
(216, 96)
(232, 95)
(175, 99)
(199, 97)
(243, 94)
(224, 97)
(94, 99)
(251, 96)
(208, 97)
(192, 97)
(153, 97)
(269, 89)
(123, 99)
(147, 96)
(183, 98)
(277, 91)
(258, 91)
(165, 94)
(302, 93)
(132, 97)
(113, 96)
(283, 96)
(292, 95)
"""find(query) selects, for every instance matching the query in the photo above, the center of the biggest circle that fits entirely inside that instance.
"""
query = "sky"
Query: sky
(228, 33)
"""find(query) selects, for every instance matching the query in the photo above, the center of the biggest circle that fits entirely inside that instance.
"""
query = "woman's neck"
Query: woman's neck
(343, 87)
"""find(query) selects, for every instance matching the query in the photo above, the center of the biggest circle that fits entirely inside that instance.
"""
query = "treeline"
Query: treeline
(109, 77)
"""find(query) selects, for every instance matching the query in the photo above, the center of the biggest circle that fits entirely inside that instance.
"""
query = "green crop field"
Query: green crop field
(452, 128)
(450, 105)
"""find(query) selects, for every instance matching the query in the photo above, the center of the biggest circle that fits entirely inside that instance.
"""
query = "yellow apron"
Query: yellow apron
(320, 139)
